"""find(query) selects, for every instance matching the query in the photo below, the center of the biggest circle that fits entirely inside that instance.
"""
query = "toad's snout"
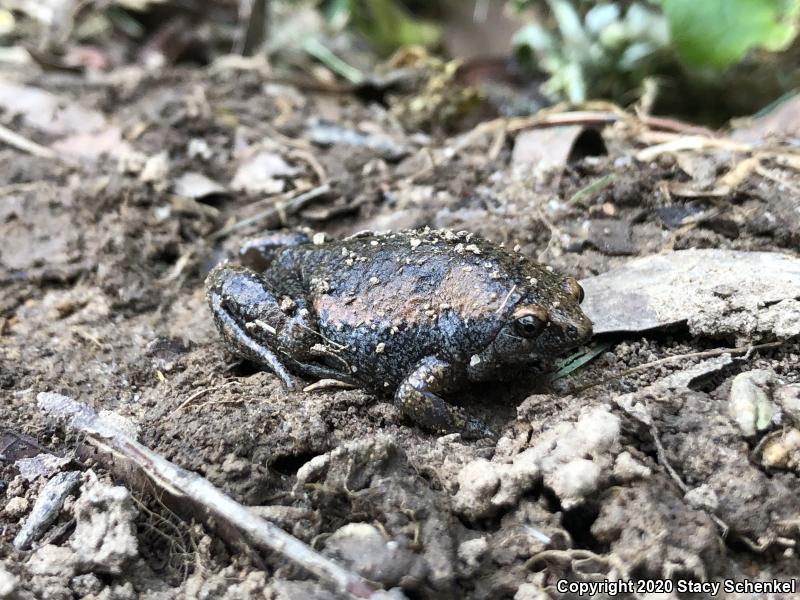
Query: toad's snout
(575, 331)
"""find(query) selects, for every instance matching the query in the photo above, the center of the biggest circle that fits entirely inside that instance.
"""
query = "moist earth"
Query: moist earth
(102, 269)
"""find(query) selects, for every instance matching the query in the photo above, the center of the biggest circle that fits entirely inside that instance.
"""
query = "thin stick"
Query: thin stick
(23, 144)
(200, 492)
(704, 354)
(573, 117)
(279, 211)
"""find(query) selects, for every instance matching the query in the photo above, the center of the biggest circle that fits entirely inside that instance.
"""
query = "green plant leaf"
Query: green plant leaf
(717, 33)
(387, 25)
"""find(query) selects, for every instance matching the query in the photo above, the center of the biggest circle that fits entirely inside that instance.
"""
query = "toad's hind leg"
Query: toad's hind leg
(238, 338)
(259, 321)
(317, 371)
(418, 398)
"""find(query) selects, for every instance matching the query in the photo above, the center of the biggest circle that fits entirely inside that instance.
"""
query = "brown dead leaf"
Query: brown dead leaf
(15, 446)
(47, 112)
(92, 146)
(782, 121)
(557, 146)
(196, 185)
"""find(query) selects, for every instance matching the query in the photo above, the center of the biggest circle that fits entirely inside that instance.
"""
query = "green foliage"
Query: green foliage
(388, 25)
(718, 33)
(600, 52)
(605, 48)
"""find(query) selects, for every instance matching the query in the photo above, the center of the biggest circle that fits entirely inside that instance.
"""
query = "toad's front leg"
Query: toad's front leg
(258, 322)
(418, 397)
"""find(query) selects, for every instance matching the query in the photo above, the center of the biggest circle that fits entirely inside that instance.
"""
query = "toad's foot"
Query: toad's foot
(417, 396)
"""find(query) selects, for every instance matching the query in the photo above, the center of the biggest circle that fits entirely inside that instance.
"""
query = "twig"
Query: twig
(275, 213)
(747, 350)
(315, 165)
(498, 143)
(198, 491)
(662, 458)
(689, 142)
(667, 124)
(647, 420)
(25, 145)
(574, 117)
(767, 174)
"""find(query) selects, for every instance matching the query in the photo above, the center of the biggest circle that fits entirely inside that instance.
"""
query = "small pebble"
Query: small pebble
(16, 507)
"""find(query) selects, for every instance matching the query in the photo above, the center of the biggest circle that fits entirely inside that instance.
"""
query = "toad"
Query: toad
(413, 314)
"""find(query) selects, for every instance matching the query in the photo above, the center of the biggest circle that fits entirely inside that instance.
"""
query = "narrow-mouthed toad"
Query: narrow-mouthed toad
(414, 314)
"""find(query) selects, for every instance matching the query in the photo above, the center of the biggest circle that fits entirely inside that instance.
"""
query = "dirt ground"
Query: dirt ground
(102, 267)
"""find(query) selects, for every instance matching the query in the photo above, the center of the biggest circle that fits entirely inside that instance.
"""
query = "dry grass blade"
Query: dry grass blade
(576, 361)
(591, 189)
(689, 142)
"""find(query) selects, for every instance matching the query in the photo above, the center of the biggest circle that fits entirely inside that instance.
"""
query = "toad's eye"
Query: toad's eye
(572, 286)
(530, 321)
(529, 326)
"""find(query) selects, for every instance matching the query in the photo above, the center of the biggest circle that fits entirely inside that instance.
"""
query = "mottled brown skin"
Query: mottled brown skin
(415, 314)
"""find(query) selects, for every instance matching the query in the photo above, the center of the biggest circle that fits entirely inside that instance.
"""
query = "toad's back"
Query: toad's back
(404, 296)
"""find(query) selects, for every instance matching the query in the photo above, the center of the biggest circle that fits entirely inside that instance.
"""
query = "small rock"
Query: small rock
(105, 537)
(609, 236)
(41, 465)
(676, 287)
(531, 591)
(197, 185)
(571, 476)
(749, 403)
(486, 486)
(234, 465)
(52, 560)
(702, 497)
(372, 555)
(199, 148)
(47, 508)
(478, 481)
(156, 169)
(85, 585)
(472, 551)
(557, 458)
(575, 480)
(8, 583)
(263, 174)
(131, 162)
(627, 468)
(16, 507)
(788, 397)
(782, 452)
